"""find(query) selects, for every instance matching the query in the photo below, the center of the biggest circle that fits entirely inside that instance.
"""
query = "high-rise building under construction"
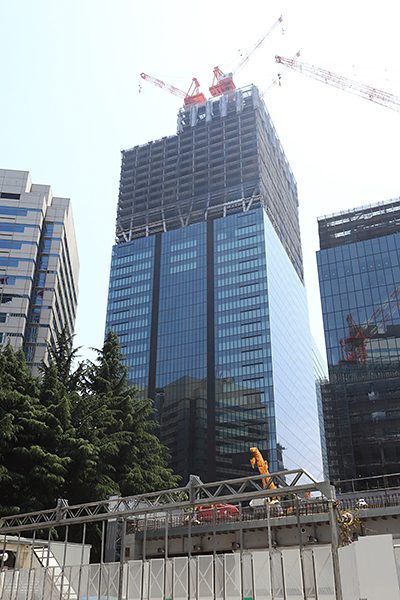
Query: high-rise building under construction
(207, 294)
(359, 272)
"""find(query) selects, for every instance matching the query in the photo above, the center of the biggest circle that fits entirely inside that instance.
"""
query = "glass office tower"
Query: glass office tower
(359, 272)
(207, 294)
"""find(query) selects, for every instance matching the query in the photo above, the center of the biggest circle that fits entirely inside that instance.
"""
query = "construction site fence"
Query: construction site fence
(262, 575)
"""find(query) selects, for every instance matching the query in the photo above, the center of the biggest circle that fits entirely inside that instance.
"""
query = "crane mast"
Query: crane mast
(343, 83)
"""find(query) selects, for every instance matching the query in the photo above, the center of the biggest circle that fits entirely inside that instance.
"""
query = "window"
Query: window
(29, 352)
(48, 229)
(32, 334)
(10, 196)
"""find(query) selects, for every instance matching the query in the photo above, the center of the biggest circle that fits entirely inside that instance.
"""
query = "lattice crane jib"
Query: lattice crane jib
(343, 83)
(192, 96)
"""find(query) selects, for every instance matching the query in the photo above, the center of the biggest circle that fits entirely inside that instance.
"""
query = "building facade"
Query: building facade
(359, 273)
(207, 294)
(39, 265)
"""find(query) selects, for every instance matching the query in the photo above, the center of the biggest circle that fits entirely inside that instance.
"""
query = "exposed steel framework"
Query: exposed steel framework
(343, 83)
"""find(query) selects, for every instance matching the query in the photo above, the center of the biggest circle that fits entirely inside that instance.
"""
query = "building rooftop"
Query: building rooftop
(363, 223)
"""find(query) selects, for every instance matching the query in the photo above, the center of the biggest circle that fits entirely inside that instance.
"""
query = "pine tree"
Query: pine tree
(81, 435)
(129, 453)
(31, 470)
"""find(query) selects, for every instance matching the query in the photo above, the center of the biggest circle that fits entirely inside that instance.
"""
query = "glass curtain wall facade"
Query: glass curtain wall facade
(39, 265)
(359, 273)
(207, 293)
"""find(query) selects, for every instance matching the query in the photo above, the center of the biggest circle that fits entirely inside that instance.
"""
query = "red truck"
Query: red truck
(222, 512)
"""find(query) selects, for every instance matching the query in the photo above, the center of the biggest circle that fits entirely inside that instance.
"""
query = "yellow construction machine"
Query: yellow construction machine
(263, 469)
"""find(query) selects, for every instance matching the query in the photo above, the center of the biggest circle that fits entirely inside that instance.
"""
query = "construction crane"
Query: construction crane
(223, 82)
(354, 348)
(277, 77)
(263, 469)
(192, 96)
(349, 85)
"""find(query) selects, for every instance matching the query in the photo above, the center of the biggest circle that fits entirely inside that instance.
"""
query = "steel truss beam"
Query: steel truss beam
(195, 493)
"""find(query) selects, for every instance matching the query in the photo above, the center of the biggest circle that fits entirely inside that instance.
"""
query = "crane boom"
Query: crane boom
(224, 82)
(277, 77)
(262, 467)
(193, 96)
(258, 44)
(343, 83)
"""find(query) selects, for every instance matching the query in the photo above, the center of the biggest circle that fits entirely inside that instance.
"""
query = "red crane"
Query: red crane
(349, 85)
(355, 345)
(192, 96)
(224, 82)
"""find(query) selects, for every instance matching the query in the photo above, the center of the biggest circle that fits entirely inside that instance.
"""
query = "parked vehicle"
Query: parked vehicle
(222, 512)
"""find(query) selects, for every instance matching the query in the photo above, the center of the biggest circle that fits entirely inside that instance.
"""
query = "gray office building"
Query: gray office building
(39, 265)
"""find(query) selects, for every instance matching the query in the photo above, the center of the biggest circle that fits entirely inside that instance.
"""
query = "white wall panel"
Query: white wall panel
(277, 579)
(262, 579)
(247, 575)
(308, 573)
(134, 580)
(376, 566)
(219, 577)
(205, 578)
(232, 577)
(324, 573)
(169, 574)
(180, 578)
(156, 579)
(292, 573)
(193, 578)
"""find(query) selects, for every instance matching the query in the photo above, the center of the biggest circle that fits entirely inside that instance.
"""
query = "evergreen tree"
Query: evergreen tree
(31, 470)
(81, 435)
(132, 456)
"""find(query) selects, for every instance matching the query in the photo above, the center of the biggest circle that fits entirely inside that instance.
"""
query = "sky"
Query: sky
(70, 101)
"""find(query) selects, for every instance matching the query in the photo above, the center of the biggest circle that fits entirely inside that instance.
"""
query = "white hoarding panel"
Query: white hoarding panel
(180, 578)
(308, 572)
(292, 574)
(324, 573)
(169, 573)
(262, 579)
(205, 578)
(232, 577)
(247, 575)
(219, 577)
(277, 578)
(156, 587)
(134, 583)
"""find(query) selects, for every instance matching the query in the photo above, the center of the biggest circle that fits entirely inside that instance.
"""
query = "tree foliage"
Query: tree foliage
(78, 434)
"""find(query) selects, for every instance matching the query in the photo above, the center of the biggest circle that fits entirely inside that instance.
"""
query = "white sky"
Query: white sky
(69, 102)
